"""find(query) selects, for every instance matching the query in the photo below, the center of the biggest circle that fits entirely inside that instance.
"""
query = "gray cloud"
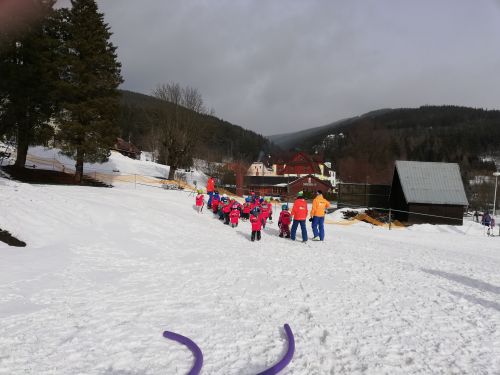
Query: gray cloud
(285, 65)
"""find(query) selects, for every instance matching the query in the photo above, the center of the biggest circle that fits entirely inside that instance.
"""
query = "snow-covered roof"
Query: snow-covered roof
(429, 182)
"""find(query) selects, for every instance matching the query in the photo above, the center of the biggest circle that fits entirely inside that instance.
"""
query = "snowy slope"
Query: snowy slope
(106, 271)
(117, 165)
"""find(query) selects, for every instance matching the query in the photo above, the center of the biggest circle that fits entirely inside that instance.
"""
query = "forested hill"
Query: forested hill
(145, 121)
(364, 148)
(291, 140)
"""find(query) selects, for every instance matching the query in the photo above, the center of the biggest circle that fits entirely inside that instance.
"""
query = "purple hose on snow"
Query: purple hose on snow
(198, 355)
(286, 359)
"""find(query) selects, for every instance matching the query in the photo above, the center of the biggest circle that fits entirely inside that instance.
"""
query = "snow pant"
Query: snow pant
(234, 225)
(318, 227)
(226, 218)
(285, 230)
(199, 208)
(303, 229)
(255, 233)
(221, 215)
(264, 223)
(210, 196)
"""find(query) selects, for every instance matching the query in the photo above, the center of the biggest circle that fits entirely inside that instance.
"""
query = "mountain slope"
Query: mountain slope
(369, 144)
(291, 140)
(215, 138)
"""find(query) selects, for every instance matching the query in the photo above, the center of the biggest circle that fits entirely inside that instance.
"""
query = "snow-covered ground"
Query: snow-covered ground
(106, 271)
(118, 170)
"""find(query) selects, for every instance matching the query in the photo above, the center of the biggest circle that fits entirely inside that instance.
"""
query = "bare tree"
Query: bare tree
(170, 92)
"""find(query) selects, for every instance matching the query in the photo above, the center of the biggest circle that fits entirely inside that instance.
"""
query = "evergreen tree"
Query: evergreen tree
(28, 75)
(90, 77)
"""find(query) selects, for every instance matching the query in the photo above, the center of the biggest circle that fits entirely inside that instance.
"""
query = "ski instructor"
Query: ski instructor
(317, 217)
(210, 190)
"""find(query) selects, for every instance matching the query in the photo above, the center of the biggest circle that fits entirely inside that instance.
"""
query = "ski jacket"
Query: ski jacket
(285, 217)
(199, 200)
(319, 206)
(256, 222)
(234, 216)
(299, 210)
(210, 185)
(215, 205)
(486, 220)
(265, 210)
(226, 208)
(246, 208)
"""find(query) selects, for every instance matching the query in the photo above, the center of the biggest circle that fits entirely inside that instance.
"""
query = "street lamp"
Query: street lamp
(496, 174)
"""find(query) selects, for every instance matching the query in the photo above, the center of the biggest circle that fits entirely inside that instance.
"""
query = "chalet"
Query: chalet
(427, 192)
(127, 149)
(286, 186)
(300, 164)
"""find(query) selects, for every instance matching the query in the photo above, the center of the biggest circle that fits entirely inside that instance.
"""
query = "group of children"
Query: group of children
(257, 210)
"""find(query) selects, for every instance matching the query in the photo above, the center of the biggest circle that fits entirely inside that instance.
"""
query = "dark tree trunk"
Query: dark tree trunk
(171, 172)
(79, 166)
(23, 143)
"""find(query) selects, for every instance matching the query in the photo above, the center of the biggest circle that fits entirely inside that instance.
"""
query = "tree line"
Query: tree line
(175, 124)
(59, 79)
(369, 145)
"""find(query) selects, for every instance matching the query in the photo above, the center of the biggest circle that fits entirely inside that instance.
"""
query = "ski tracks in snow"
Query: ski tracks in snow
(136, 263)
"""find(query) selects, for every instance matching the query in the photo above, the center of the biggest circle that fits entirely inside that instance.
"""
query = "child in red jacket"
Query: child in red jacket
(226, 210)
(256, 222)
(234, 216)
(245, 214)
(200, 202)
(215, 205)
(284, 221)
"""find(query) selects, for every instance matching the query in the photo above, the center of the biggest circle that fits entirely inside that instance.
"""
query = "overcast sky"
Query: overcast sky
(276, 66)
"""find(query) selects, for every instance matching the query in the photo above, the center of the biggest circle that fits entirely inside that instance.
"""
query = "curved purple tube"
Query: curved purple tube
(286, 359)
(198, 355)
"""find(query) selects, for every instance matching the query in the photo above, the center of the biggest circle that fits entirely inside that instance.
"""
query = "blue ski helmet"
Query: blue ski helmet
(284, 207)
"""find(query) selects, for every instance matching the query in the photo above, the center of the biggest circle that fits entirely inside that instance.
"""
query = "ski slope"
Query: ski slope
(106, 271)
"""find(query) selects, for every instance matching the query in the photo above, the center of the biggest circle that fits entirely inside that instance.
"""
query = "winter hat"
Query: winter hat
(319, 192)
(300, 193)
(248, 199)
(268, 199)
(284, 207)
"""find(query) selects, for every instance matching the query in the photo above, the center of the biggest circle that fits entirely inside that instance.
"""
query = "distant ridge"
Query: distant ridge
(290, 140)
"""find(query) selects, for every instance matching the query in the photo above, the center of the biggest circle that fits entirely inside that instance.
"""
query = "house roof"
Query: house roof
(301, 159)
(268, 180)
(309, 176)
(429, 182)
(122, 145)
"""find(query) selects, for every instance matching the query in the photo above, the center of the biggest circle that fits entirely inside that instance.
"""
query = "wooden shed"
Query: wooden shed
(428, 192)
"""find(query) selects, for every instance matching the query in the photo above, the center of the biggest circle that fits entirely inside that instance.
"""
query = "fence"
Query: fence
(110, 177)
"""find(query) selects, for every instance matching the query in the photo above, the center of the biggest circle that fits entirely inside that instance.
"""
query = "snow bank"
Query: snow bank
(106, 271)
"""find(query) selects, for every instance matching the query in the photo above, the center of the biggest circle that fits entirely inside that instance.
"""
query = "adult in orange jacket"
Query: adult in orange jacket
(317, 217)
(299, 213)
(210, 191)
